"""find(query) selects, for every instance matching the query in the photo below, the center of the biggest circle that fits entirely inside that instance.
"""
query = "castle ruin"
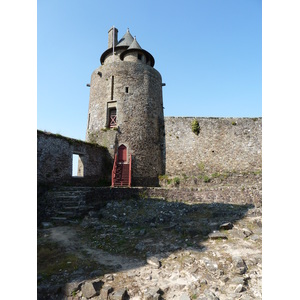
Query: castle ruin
(129, 142)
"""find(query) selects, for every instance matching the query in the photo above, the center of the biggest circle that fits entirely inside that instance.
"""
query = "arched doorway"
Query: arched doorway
(122, 154)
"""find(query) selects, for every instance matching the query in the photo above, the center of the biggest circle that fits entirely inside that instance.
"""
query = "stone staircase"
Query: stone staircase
(68, 204)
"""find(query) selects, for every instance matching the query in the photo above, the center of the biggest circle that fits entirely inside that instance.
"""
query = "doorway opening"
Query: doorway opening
(122, 154)
(77, 166)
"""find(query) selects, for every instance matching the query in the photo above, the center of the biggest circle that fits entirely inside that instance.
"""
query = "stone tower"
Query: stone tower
(126, 108)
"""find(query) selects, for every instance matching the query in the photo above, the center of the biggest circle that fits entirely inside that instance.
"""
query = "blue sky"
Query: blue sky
(51, 50)
(209, 53)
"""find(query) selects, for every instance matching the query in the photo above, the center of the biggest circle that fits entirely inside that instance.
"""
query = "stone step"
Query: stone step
(70, 203)
(66, 213)
(67, 197)
(59, 218)
(74, 208)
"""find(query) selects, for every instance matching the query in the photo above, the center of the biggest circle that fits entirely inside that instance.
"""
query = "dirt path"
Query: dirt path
(71, 240)
(187, 260)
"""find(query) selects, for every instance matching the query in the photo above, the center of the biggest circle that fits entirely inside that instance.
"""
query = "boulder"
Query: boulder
(120, 294)
(239, 289)
(239, 265)
(217, 235)
(226, 226)
(105, 291)
(247, 232)
(71, 287)
(91, 289)
(154, 261)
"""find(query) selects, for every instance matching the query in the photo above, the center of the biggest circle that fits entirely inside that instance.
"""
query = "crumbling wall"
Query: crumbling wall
(55, 161)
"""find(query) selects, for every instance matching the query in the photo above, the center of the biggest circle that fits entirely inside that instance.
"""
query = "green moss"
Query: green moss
(163, 177)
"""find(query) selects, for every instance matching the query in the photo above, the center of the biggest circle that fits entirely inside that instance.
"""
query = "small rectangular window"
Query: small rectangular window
(77, 166)
(126, 89)
(112, 118)
(140, 56)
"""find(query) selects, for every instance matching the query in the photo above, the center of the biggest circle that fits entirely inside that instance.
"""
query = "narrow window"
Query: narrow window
(112, 118)
(77, 166)
(126, 89)
(140, 56)
(112, 87)
(89, 121)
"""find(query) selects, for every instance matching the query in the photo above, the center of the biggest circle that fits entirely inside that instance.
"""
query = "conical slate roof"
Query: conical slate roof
(135, 45)
(128, 44)
(126, 40)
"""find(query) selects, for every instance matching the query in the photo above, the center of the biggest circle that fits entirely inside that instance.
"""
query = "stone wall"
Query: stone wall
(55, 160)
(135, 90)
(222, 145)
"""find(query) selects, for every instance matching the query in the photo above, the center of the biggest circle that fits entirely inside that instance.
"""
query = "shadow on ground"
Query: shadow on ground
(123, 235)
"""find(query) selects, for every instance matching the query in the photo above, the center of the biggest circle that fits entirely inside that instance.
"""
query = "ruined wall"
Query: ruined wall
(55, 156)
(222, 145)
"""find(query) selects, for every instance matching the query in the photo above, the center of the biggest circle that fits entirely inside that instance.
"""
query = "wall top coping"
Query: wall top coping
(68, 139)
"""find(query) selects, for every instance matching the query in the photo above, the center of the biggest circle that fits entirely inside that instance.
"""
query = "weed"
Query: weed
(215, 175)
(206, 178)
(195, 127)
(233, 123)
(185, 177)
(201, 166)
(176, 180)
(143, 195)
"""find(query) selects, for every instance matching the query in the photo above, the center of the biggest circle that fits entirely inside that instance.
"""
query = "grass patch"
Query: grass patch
(52, 259)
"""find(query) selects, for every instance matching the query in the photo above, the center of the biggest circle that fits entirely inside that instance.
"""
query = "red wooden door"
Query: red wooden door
(122, 154)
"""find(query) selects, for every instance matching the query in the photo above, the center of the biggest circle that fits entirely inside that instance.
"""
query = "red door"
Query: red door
(122, 154)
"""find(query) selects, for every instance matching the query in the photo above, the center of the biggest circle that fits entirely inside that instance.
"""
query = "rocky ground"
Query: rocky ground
(154, 249)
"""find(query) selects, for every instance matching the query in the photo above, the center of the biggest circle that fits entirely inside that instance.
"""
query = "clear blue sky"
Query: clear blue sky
(225, 80)
(209, 53)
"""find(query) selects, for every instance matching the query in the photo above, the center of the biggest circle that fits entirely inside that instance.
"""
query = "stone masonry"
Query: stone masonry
(127, 83)
(222, 145)
(55, 155)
